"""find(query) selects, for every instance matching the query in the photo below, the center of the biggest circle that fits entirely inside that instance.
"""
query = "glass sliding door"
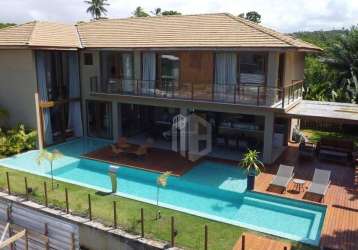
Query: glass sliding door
(59, 92)
(117, 72)
(99, 119)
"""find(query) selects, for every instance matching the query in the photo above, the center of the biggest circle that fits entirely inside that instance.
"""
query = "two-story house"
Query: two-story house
(129, 77)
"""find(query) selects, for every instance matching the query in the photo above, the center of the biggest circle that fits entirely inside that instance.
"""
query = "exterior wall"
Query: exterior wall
(294, 67)
(207, 59)
(18, 85)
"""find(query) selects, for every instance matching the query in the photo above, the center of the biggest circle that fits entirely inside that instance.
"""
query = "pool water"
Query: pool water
(212, 190)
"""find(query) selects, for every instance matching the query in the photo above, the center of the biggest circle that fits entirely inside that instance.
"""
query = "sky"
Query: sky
(282, 15)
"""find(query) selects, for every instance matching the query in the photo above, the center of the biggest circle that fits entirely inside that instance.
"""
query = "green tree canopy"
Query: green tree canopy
(332, 76)
(4, 25)
(252, 16)
(139, 12)
(97, 8)
(170, 13)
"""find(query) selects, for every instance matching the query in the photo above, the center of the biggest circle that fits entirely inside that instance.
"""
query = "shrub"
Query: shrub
(17, 140)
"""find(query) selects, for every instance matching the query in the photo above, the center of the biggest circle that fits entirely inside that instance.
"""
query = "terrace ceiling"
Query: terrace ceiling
(333, 111)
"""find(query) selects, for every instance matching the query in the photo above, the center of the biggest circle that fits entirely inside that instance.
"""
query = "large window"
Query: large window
(116, 66)
(57, 75)
(99, 119)
(252, 68)
(169, 70)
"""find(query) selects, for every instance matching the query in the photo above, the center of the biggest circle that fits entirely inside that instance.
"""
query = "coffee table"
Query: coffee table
(299, 184)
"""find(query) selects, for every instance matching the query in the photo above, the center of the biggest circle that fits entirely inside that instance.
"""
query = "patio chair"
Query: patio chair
(283, 177)
(122, 143)
(320, 182)
(116, 151)
(140, 152)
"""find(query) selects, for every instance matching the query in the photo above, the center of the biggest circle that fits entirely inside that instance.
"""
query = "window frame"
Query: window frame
(265, 57)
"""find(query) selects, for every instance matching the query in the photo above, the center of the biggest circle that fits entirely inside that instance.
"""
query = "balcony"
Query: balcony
(242, 94)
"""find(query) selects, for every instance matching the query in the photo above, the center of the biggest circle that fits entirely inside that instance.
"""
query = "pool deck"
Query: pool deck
(340, 229)
(257, 242)
(157, 160)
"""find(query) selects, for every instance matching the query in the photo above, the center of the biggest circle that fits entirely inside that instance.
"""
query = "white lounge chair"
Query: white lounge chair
(320, 182)
(283, 177)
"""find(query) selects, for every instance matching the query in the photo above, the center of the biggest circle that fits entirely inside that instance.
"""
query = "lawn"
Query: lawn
(315, 135)
(190, 228)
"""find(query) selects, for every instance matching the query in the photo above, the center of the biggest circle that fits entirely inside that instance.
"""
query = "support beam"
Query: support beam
(268, 138)
(38, 122)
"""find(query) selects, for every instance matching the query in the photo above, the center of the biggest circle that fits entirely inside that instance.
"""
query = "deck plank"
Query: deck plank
(340, 229)
(256, 242)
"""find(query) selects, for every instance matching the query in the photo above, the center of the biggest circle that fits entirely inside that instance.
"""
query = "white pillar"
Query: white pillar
(268, 138)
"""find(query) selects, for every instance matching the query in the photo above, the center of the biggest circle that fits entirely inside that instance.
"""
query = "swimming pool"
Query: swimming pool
(211, 190)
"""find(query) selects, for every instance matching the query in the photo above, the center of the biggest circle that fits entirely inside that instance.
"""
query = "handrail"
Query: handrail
(250, 94)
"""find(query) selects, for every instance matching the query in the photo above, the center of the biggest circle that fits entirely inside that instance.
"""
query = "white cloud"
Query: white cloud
(282, 15)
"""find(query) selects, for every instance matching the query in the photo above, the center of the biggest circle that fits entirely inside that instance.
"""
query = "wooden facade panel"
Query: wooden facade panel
(197, 69)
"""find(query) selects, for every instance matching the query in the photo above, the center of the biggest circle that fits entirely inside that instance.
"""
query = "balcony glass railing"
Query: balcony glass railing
(256, 95)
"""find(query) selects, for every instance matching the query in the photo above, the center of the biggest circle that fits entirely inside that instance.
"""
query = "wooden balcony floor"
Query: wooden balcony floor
(340, 229)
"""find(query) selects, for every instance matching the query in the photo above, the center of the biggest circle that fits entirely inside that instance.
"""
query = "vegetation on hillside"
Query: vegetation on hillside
(332, 75)
(140, 12)
(4, 25)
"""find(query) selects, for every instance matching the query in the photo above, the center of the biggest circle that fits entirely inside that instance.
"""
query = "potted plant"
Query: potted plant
(162, 181)
(253, 166)
(50, 157)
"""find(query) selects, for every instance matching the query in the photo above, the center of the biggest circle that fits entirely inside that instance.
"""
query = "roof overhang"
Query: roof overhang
(328, 111)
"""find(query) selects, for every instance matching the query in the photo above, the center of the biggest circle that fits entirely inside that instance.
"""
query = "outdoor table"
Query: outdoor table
(298, 184)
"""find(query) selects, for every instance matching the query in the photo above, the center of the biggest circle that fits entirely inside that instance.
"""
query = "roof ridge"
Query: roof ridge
(290, 40)
(148, 17)
(32, 32)
(78, 36)
(265, 30)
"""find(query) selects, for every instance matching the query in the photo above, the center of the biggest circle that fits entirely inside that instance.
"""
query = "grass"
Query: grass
(190, 228)
(316, 135)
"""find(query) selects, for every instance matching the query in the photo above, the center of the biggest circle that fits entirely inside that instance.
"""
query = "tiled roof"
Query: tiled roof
(203, 31)
(40, 34)
(187, 31)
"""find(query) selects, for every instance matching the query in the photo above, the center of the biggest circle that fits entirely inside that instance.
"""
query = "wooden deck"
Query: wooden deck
(256, 242)
(340, 229)
(157, 160)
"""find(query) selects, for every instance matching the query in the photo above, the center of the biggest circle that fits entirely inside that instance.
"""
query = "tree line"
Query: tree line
(332, 74)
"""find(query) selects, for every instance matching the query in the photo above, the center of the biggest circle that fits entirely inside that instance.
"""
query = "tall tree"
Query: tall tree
(252, 16)
(139, 12)
(97, 8)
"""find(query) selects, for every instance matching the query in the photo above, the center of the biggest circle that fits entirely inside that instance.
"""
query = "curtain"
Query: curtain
(225, 75)
(74, 112)
(127, 69)
(149, 68)
(41, 78)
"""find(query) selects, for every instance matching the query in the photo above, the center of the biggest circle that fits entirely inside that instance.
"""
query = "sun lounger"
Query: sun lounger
(320, 182)
(283, 177)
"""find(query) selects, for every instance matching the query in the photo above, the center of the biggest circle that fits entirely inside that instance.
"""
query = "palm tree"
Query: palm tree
(162, 182)
(50, 157)
(96, 8)
(253, 166)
